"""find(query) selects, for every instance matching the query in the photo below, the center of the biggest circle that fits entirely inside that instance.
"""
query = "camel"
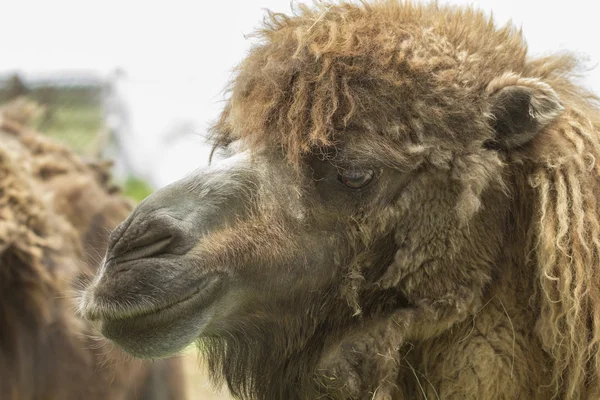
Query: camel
(402, 204)
(55, 214)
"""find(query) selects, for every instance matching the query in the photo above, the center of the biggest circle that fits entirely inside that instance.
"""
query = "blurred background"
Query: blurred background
(140, 82)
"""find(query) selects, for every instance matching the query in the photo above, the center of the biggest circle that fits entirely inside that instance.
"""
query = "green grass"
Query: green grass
(136, 188)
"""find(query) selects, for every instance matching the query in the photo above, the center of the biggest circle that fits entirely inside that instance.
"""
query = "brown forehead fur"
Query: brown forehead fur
(383, 70)
(400, 73)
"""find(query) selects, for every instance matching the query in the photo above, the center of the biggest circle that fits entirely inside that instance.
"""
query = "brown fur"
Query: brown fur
(55, 215)
(467, 269)
(392, 71)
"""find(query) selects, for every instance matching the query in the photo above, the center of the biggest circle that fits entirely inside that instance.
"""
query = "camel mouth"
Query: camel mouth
(141, 331)
(201, 296)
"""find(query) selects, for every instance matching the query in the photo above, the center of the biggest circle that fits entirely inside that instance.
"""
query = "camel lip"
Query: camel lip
(201, 297)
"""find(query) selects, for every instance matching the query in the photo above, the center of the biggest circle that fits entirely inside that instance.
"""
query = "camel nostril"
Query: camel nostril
(143, 248)
(148, 234)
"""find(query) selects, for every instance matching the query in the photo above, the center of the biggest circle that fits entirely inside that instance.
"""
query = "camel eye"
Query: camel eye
(355, 178)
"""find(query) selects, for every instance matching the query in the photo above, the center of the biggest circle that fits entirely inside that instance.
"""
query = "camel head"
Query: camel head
(361, 168)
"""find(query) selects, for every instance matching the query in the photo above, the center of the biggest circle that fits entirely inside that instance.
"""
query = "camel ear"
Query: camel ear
(519, 109)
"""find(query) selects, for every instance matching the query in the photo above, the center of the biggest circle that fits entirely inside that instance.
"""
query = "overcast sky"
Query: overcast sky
(178, 56)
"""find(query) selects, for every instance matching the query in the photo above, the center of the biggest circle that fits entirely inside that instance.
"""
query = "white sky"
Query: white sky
(178, 56)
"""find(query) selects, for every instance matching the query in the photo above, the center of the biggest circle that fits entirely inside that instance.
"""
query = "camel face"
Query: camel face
(192, 257)
(240, 241)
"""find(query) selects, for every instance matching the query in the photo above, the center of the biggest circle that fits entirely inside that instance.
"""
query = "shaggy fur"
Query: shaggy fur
(467, 269)
(394, 70)
(55, 213)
